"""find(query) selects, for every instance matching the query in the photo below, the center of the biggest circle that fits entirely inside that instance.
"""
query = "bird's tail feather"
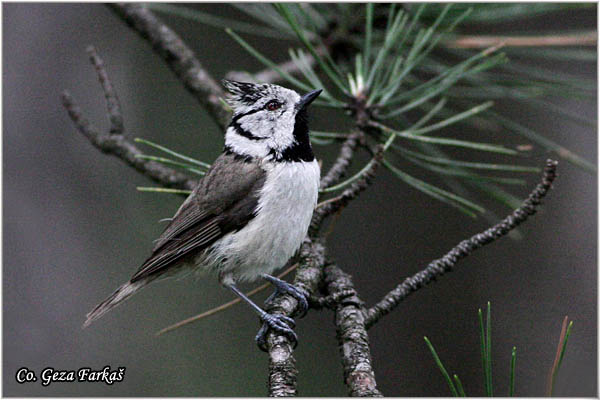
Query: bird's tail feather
(120, 295)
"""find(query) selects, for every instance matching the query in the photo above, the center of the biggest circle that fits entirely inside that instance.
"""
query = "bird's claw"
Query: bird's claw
(282, 287)
(278, 323)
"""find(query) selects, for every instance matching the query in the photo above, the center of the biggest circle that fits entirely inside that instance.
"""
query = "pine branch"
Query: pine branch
(442, 265)
(353, 340)
(268, 75)
(341, 164)
(114, 142)
(282, 365)
(352, 320)
(178, 56)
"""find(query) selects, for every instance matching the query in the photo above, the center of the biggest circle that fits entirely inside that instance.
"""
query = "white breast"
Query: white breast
(286, 205)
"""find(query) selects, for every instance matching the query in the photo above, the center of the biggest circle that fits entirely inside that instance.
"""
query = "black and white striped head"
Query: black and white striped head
(268, 121)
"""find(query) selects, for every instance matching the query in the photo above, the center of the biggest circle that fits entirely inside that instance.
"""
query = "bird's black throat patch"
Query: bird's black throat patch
(301, 149)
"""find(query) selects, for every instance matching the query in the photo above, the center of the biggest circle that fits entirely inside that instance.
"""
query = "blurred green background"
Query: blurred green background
(75, 228)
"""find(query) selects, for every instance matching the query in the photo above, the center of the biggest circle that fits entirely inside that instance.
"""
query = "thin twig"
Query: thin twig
(481, 41)
(223, 306)
(335, 204)
(178, 56)
(342, 162)
(442, 265)
(114, 142)
(112, 100)
(353, 340)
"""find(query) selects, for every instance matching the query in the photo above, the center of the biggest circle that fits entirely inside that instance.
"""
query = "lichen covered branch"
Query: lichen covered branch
(352, 336)
(282, 365)
(442, 265)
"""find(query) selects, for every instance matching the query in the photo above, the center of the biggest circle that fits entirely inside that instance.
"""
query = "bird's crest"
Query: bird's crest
(245, 93)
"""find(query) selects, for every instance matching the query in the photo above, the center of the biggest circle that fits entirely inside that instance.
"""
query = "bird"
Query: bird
(251, 211)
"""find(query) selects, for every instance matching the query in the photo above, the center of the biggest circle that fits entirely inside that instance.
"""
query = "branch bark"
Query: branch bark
(282, 364)
(352, 336)
(442, 265)
(112, 100)
(178, 56)
(342, 162)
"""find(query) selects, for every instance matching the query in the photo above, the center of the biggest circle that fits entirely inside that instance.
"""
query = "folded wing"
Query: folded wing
(224, 201)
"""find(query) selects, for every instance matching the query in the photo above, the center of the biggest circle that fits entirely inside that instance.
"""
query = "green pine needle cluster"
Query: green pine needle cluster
(414, 87)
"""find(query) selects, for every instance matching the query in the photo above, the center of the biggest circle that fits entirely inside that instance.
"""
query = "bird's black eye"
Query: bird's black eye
(273, 105)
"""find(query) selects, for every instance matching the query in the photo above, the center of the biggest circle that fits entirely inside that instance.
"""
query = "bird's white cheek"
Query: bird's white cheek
(242, 145)
(283, 136)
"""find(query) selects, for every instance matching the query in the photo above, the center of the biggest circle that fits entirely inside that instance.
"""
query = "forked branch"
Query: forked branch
(114, 142)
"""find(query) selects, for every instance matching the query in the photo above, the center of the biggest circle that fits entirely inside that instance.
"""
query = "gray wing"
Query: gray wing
(224, 201)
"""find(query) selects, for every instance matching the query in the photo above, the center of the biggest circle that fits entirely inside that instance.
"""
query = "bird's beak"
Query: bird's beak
(308, 98)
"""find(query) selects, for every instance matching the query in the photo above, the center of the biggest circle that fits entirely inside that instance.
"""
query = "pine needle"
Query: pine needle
(441, 367)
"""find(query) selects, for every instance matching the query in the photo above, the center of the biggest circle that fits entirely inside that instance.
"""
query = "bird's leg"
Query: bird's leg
(282, 287)
(279, 323)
